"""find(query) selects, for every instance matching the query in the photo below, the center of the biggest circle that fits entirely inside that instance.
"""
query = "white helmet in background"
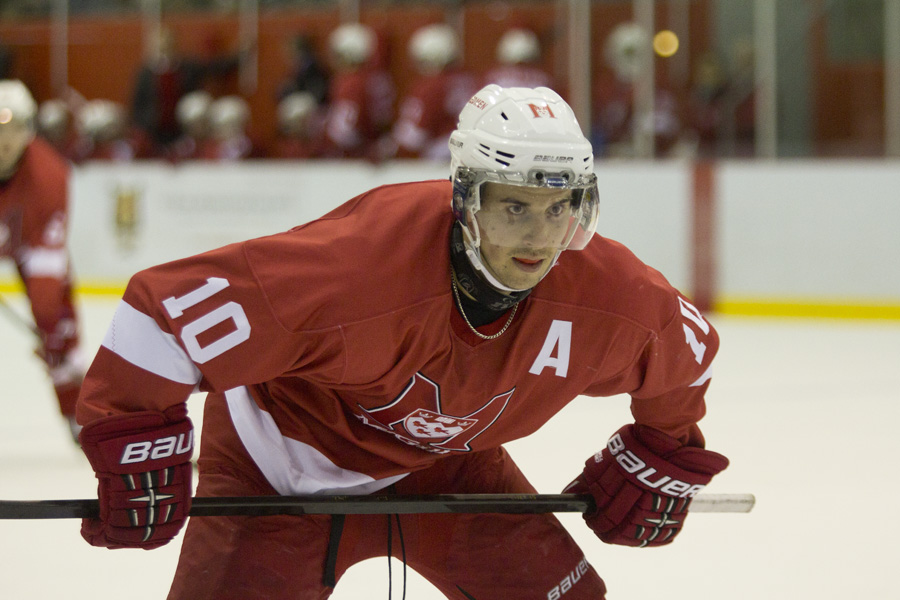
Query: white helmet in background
(17, 112)
(16, 103)
(295, 110)
(193, 108)
(101, 120)
(53, 118)
(626, 50)
(229, 117)
(353, 43)
(521, 137)
(433, 47)
(518, 46)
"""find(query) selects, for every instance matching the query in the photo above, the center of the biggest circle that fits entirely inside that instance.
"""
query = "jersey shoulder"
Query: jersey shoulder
(607, 276)
(41, 181)
(44, 170)
(46, 160)
(380, 252)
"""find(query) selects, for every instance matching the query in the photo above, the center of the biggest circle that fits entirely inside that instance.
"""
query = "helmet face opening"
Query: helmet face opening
(540, 209)
(526, 143)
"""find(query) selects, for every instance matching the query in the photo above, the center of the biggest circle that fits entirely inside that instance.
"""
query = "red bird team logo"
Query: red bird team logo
(541, 111)
(415, 417)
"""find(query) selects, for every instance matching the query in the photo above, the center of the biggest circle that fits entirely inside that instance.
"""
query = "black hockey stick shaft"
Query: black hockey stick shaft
(375, 504)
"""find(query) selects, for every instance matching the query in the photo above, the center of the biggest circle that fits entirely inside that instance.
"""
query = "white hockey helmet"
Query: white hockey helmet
(433, 47)
(16, 103)
(518, 46)
(353, 43)
(521, 137)
(101, 120)
(53, 116)
(626, 49)
(295, 111)
(229, 116)
(193, 108)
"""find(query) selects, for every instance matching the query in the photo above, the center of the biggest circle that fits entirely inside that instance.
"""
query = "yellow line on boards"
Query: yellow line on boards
(762, 307)
(809, 308)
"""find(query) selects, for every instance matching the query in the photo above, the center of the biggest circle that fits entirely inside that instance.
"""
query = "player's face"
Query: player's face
(522, 229)
(14, 137)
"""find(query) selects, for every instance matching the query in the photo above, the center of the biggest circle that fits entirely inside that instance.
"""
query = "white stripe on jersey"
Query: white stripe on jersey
(45, 262)
(703, 378)
(290, 466)
(138, 339)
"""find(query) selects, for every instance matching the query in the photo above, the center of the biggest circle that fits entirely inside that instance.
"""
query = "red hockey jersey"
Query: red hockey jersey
(33, 225)
(346, 365)
(360, 111)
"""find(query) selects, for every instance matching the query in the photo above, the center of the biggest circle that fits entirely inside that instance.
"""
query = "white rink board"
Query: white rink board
(808, 230)
(184, 210)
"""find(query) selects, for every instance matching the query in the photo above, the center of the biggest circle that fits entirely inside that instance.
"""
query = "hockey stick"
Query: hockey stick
(364, 505)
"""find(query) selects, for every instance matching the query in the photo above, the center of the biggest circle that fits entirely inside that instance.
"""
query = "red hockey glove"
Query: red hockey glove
(643, 483)
(143, 464)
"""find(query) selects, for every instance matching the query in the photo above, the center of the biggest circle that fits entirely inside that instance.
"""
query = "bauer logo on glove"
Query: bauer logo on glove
(162, 448)
(635, 466)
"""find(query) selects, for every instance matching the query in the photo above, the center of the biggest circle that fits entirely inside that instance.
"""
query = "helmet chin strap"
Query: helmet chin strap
(473, 252)
(474, 256)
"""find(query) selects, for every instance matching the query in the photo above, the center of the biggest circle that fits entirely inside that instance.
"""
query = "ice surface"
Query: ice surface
(807, 412)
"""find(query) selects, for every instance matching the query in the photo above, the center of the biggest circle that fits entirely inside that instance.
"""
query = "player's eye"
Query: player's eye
(558, 209)
(515, 209)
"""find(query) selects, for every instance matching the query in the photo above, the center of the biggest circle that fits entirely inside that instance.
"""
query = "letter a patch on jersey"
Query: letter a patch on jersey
(559, 339)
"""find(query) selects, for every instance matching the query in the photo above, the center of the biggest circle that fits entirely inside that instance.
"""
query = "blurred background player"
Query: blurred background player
(625, 52)
(299, 127)
(192, 113)
(307, 73)
(54, 124)
(163, 79)
(33, 230)
(105, 133)
(361, 97)
(229, 136)
(518, 56)
(428, 113)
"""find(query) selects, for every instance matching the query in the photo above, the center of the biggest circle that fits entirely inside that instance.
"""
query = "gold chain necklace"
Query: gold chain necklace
(466, 319)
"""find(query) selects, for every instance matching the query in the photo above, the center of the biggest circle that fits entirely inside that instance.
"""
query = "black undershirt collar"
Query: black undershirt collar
(488, 304)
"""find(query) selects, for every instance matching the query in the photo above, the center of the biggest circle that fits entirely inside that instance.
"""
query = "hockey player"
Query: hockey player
(429, 111)
(33, 222)
(518, 57)
(361, 96)
(396, 345)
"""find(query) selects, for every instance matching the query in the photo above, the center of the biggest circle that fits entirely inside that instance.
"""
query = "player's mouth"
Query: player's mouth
(529, 265)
